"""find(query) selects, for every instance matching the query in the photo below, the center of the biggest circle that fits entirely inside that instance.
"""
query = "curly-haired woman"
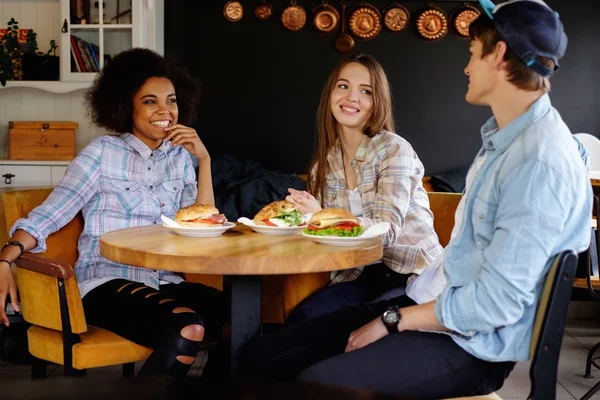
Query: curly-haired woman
(127, 180)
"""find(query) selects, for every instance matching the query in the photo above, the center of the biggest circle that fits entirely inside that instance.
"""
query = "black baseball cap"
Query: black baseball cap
(530, 29)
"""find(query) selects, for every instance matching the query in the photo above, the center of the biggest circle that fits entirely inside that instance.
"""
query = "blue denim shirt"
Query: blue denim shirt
(531, 200)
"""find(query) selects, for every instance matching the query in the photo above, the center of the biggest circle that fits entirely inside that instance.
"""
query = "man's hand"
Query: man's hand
(7, 285)
(367, 334)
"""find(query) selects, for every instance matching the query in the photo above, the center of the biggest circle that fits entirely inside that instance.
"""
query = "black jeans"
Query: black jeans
(146, 316)
(411, 364)
(373, 284)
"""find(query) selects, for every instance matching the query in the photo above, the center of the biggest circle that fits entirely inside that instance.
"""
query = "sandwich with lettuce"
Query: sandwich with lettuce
(334, 222)
(279, 213)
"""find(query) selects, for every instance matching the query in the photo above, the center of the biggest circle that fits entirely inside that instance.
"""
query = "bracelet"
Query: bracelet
(14, 243)
(6, 261)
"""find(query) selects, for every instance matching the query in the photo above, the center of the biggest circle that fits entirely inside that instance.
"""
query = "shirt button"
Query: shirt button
(154, 222)
(174, 188)
(481, 216)
(126, 188)
(162, 205)
(151, 187)
(149, 168)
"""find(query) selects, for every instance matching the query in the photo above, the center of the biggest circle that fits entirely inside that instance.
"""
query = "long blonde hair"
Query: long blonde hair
(381, 118)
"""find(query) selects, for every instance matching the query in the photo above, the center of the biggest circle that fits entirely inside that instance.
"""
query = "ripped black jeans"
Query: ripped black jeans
(172, 320)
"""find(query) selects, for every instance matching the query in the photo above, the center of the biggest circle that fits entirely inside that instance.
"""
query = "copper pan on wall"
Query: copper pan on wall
(233, 11)
(344, 43)
(432, 23)
(461, 18)
(325, 18)
(365, 21)
(263, 11)
(396, 17)
(294, 17)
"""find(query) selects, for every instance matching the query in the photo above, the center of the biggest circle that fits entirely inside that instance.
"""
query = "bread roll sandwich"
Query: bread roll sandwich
(200, 215)
(279, 213)
(334, 222)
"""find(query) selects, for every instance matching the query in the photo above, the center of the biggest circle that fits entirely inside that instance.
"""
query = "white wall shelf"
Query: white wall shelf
(48, 86)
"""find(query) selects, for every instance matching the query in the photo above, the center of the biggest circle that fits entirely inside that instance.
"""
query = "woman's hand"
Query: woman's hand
(367, 334)
(187, 137)
(305, 201)
(7, 286)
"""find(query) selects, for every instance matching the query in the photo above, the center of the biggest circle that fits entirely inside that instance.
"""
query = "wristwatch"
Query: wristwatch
(390, 319)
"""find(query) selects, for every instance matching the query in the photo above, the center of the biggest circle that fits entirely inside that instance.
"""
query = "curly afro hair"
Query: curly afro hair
(110, 99)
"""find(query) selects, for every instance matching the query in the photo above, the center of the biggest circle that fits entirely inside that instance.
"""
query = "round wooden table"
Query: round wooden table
(241, 256)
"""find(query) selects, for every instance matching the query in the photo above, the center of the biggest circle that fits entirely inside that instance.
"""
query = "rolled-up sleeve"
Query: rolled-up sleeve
(400, 174)
(77, 187)
(190, 185)
(530, 217)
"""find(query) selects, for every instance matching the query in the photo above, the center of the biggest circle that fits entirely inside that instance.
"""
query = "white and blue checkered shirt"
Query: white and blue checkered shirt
(117, 182)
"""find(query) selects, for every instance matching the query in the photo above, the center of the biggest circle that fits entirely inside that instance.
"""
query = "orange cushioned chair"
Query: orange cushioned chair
(51, 302)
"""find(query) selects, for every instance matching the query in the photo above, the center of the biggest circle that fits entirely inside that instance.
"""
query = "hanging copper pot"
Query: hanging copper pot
(233, 11)
(263, 11)
(294, 17)
(325, 18)
(365, 21)
(396, 17)
(461, 20)
(432, 24)
(344, 43)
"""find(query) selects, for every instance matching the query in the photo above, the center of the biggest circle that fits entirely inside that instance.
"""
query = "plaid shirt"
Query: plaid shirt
(117, 182)
(389, 175)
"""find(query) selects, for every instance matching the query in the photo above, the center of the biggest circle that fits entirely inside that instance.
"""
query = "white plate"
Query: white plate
(338, 240)
(373, 232)
(201, 232)
(271, 230)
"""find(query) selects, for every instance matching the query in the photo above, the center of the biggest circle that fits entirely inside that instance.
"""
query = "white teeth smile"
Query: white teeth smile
(350, 109)
(160, 124)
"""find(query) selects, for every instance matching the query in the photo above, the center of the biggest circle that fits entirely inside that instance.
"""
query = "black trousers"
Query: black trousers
(377, 282)
(411, 364)
(146, 316)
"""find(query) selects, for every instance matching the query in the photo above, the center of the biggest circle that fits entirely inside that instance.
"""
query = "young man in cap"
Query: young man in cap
(528, 199)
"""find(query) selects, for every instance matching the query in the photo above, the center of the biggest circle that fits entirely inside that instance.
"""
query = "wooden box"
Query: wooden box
(41, 140)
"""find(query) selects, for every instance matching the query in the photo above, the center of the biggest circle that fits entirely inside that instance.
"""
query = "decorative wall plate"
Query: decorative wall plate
(263, 11)
(461, 20)
(432, 24)
(365, 21)
(294, 17)
(325, 18)
(396, 18)
(233, 11)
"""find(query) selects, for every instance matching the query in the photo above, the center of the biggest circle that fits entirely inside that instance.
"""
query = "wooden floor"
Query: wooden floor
(580, 336)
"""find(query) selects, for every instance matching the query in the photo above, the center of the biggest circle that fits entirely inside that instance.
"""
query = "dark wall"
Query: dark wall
(262, 82)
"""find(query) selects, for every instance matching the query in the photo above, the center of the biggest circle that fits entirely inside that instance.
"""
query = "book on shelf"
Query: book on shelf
(85, 54)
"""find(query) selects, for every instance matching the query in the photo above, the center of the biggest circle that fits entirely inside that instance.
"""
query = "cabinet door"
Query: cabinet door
(95, 31)
(58, 171)
(25, 176)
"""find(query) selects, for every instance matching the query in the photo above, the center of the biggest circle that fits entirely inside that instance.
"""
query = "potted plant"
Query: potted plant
(18, 63)
(37, 65)
(10, 54)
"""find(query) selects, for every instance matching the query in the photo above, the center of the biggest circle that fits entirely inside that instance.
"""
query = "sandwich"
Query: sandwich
(334, 222)
(279, 213)
(200, 215)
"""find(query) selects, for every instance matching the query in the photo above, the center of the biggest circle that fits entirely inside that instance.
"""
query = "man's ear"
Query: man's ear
(499, 53)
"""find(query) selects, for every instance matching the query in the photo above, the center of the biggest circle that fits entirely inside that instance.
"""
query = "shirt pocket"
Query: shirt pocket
(127, 197)
(483, 218)
(170, 196)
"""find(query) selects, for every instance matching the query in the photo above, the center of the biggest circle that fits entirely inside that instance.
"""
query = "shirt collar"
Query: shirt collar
(141, 147)
(501, 139)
